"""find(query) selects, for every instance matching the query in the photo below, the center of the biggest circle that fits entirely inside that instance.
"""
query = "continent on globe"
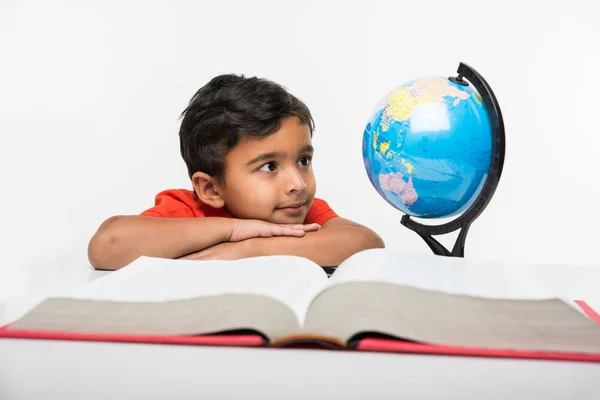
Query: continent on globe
(404, 190)
(433, 90)
(402, 102)
(409, 166)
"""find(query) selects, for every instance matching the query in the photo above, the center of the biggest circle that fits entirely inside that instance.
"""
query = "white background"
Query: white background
(91, 93)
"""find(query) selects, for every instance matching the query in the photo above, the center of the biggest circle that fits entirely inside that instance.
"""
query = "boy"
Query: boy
(247, 146)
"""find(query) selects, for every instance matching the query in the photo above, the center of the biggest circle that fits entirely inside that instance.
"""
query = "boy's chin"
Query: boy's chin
(287, 219)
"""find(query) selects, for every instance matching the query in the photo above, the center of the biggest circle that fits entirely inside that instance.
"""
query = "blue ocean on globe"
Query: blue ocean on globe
(427, 147)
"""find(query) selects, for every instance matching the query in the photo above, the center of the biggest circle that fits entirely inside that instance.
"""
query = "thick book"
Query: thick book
(376, 300)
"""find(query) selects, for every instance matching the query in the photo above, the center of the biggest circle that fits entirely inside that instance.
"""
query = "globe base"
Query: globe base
(458, 250)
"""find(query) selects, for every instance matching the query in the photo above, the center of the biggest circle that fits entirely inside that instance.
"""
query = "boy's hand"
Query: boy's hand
(249, 228)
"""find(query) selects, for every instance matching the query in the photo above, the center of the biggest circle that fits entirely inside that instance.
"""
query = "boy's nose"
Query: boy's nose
(295, 183)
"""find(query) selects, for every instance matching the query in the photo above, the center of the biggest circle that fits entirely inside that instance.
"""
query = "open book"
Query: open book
(380, 293)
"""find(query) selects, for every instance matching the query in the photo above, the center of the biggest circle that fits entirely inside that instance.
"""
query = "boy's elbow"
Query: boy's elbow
(103, 249)
(373, 240)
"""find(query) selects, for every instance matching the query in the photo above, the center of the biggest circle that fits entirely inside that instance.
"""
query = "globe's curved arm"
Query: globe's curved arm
(498, 139)
(489, 187)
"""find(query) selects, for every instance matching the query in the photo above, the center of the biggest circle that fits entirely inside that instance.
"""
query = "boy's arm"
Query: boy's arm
(122, 239)
(337, 240)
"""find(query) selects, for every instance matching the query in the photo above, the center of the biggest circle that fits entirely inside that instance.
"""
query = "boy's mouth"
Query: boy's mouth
(297, 204)
(292, 208)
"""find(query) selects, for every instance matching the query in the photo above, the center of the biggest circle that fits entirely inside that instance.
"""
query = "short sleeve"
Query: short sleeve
(173, 204)
(152, 213)
(319, 212)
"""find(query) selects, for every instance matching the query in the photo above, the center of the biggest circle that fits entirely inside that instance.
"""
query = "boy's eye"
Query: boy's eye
(269, 167)
(305, 161)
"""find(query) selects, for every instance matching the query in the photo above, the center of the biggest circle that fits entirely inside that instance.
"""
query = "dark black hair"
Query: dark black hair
(228, 108)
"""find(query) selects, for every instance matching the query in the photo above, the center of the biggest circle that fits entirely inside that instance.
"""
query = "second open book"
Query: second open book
(425, 299)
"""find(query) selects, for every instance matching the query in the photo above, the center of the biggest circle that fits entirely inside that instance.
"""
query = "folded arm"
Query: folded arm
(122, 239)
(337, 240)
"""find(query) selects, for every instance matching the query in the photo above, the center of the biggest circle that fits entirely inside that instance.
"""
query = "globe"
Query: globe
(427, 147)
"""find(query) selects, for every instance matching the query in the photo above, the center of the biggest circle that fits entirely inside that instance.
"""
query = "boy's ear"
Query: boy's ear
(207, 189)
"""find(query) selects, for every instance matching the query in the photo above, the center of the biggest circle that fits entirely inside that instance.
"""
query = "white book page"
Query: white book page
(446, 274)
(292, 280)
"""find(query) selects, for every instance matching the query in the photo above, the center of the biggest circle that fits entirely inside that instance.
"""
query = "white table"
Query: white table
(36, 369)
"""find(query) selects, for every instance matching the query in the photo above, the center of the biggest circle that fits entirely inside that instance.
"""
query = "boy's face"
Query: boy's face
(271, 178)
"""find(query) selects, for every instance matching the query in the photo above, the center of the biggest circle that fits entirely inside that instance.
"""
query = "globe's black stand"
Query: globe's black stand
(465, 220)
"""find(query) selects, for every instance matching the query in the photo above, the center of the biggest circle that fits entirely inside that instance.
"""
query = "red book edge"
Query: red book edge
(246, 340)
(396, 346)
(367, 344)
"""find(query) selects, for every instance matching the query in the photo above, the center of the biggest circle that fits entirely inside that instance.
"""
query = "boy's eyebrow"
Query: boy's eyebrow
(263, 157)
(274, 154)
(307, 149)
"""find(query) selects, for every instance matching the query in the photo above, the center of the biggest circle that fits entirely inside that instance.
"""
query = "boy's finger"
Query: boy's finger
(283, 230)
(307, 227)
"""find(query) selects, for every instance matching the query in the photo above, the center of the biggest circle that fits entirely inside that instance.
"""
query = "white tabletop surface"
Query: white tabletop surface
(36, 369)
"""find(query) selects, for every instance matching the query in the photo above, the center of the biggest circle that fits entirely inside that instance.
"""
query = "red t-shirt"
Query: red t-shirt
(183, 203)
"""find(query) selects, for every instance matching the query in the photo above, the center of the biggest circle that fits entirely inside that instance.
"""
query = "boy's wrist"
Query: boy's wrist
(229, 225)
(219, 228)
